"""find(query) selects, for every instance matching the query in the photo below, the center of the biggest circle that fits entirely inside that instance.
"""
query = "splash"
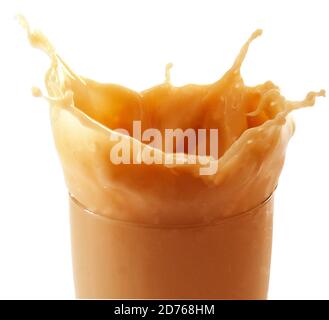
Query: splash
(254, 128)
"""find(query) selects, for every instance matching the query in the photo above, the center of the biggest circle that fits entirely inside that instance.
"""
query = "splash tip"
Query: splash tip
(257, 33)
(322, 93)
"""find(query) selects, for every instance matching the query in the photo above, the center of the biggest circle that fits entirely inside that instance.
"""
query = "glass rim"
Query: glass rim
(214, 222)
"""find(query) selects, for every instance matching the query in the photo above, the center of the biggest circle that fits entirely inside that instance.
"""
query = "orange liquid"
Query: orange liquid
(229, 259)
(181, 235)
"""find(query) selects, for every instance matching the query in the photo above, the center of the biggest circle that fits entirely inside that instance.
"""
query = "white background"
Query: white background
(130, 43)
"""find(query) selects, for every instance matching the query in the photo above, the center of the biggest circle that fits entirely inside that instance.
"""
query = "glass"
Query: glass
(226, 259)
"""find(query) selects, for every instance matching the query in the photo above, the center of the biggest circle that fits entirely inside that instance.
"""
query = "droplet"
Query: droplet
(36, 92)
